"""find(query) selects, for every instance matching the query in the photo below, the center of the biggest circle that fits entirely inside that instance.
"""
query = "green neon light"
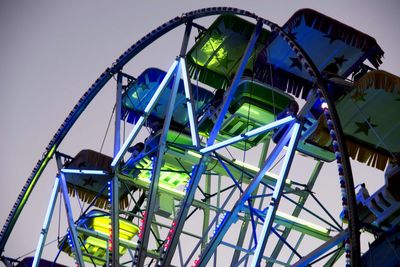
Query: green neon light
(135, 95)
(179, 194)
(38, 173)
(169, 177)
(194, 154)
(303, 222)
(256, 169)
(173, 179)
(212, 47)
(302, 226)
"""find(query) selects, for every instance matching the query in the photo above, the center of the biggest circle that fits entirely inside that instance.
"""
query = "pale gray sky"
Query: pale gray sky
(52, 51)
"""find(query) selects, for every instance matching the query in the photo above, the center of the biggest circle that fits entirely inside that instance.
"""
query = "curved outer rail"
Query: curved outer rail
(125, 58)
(343, 159)
(88, 97)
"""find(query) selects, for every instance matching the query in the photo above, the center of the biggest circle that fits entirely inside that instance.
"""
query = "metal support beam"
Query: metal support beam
(247, 135)
(151, 202)
(246, 219)
(190, 104)
(296, 247)
(115, 183)
(214, 221)
(231, 91)
(354, 227)
(206, 210)
(297, 210)
(334, 258)
(146, 113)
(240, 241)
(185, 40)
(118, 110)
(278, 190)
(199, 169)
(188, 87)
(46, 223)
(321, 249)
(232, 216)
(217, 216)
(71, 224)
(152, 197)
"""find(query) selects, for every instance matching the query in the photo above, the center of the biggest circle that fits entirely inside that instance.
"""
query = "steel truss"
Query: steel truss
(161, 243)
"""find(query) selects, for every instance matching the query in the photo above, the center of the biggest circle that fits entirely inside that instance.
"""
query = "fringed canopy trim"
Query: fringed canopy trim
(88, 196)
(356, 151)
(282, 80)
(367, 155)
(338, 30)
(379, 79)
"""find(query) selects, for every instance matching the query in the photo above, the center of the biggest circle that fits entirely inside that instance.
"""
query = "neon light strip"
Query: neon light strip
(140, 121)
(272, 208)
(194, 154)
(76, 171)
(46, 223)
(208, 251)
(222, 144)
(160, 88)
(189, 103)
(294, 220)
(70, 219)
(140, 254)
(256, 169)
(247, 135)
(231, 91)
(269, 126)
(310, 257)
(127, 143)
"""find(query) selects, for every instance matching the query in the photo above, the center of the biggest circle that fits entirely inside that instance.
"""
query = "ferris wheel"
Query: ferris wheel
(210, 171)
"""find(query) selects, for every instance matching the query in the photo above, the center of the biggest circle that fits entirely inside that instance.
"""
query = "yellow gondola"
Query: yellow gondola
(93, 248)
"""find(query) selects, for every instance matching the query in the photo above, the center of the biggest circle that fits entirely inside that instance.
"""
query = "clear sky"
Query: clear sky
(52, 51)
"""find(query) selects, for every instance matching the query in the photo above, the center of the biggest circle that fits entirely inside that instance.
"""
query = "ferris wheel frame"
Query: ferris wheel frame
(116, 68)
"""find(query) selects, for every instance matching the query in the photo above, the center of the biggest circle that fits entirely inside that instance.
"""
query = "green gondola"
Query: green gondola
(215, 57)
(366, 114)
(254, 104)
